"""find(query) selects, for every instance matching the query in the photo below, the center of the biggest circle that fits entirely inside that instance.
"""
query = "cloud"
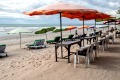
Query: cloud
(12, 9)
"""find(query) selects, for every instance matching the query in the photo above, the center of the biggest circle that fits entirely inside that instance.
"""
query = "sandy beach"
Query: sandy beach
(39, 64)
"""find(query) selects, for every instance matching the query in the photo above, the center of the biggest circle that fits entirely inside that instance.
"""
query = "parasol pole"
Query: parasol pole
(70, 31)
(46, 35)
(115, 21)
(108, 24)
(95, 26)
(61, 33)
(83, 30)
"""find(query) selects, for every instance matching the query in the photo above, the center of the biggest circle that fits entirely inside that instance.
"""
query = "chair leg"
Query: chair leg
(91, 56)
(103, 47)
(96, 53)
(75, 61)
(78, 59)
(87, 61)
(98, 49)
(61, 55)
(112, 41)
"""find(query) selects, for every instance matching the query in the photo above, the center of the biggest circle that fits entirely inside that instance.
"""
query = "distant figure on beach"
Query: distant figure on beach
(87, 29)
(94, 29)
(76, 34)
(115, 28)
(112, 29)
(100, 32)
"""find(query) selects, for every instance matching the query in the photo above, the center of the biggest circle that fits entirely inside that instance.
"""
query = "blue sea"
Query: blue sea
(5, 28)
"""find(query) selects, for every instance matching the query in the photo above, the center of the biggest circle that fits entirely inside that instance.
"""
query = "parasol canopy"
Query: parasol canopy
(70, 28)
(81, 27)
(61, 8)
(19, 31)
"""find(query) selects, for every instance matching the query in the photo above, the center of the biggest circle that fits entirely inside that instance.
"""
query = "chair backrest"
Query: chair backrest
(57, 39)
(102, 41)
(2, 48)
(96, 33)
(96, 43)
(84, 35)
(39, 42)
(70, 36)
(91, 34)
(85, 49)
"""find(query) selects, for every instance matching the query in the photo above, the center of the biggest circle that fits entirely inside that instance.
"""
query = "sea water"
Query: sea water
(5, 28)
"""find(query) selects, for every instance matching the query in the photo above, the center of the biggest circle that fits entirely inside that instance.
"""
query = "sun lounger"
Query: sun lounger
(68, 38)
(37, 44)
(2, 50)
(55, 40)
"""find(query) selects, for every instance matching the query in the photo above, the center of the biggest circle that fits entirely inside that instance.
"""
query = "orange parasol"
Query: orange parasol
(97, 15)
(71, 27)
(61, 8)
(81, 27)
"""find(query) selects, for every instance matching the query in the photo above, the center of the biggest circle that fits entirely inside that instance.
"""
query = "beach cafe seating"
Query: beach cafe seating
(102, 43)
(117, 33)
(111, 37)
(55, 40)
(37, 44)
(86, 52)
(2, 49)
(96, 48)
(81, 36)
(70, 37)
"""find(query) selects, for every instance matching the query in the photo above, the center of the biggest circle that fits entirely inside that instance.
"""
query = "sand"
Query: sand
(39, 64)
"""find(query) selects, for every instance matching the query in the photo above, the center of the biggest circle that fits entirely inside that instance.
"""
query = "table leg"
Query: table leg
(79, 44)
(69, 54)
(56, 53)
(90, 41)
(87, 41)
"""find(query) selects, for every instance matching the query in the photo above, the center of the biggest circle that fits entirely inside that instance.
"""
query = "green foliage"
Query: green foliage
(44, 30)
(58, 30)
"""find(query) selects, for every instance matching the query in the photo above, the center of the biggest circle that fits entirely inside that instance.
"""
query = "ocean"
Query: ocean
(5, 28)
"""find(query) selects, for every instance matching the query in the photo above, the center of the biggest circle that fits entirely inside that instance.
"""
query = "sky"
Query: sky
(11, 11)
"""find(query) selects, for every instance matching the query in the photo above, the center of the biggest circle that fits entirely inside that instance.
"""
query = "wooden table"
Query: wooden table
(89, 38)
(67, 45)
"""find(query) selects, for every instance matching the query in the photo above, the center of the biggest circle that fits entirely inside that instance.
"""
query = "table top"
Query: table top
(88, 37)
(66, 43)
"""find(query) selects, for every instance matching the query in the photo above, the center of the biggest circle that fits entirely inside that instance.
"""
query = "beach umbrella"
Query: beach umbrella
(42, 31)
(81, 27)
(70, 28)
(58, 30)
(19, 31)
(60, 8)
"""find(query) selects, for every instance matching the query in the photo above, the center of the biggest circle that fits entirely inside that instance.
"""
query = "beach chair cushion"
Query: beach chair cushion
(68, 38)
(2, 48)
(84, 35)
(56, 39)
(37, 44)
(2, 44)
